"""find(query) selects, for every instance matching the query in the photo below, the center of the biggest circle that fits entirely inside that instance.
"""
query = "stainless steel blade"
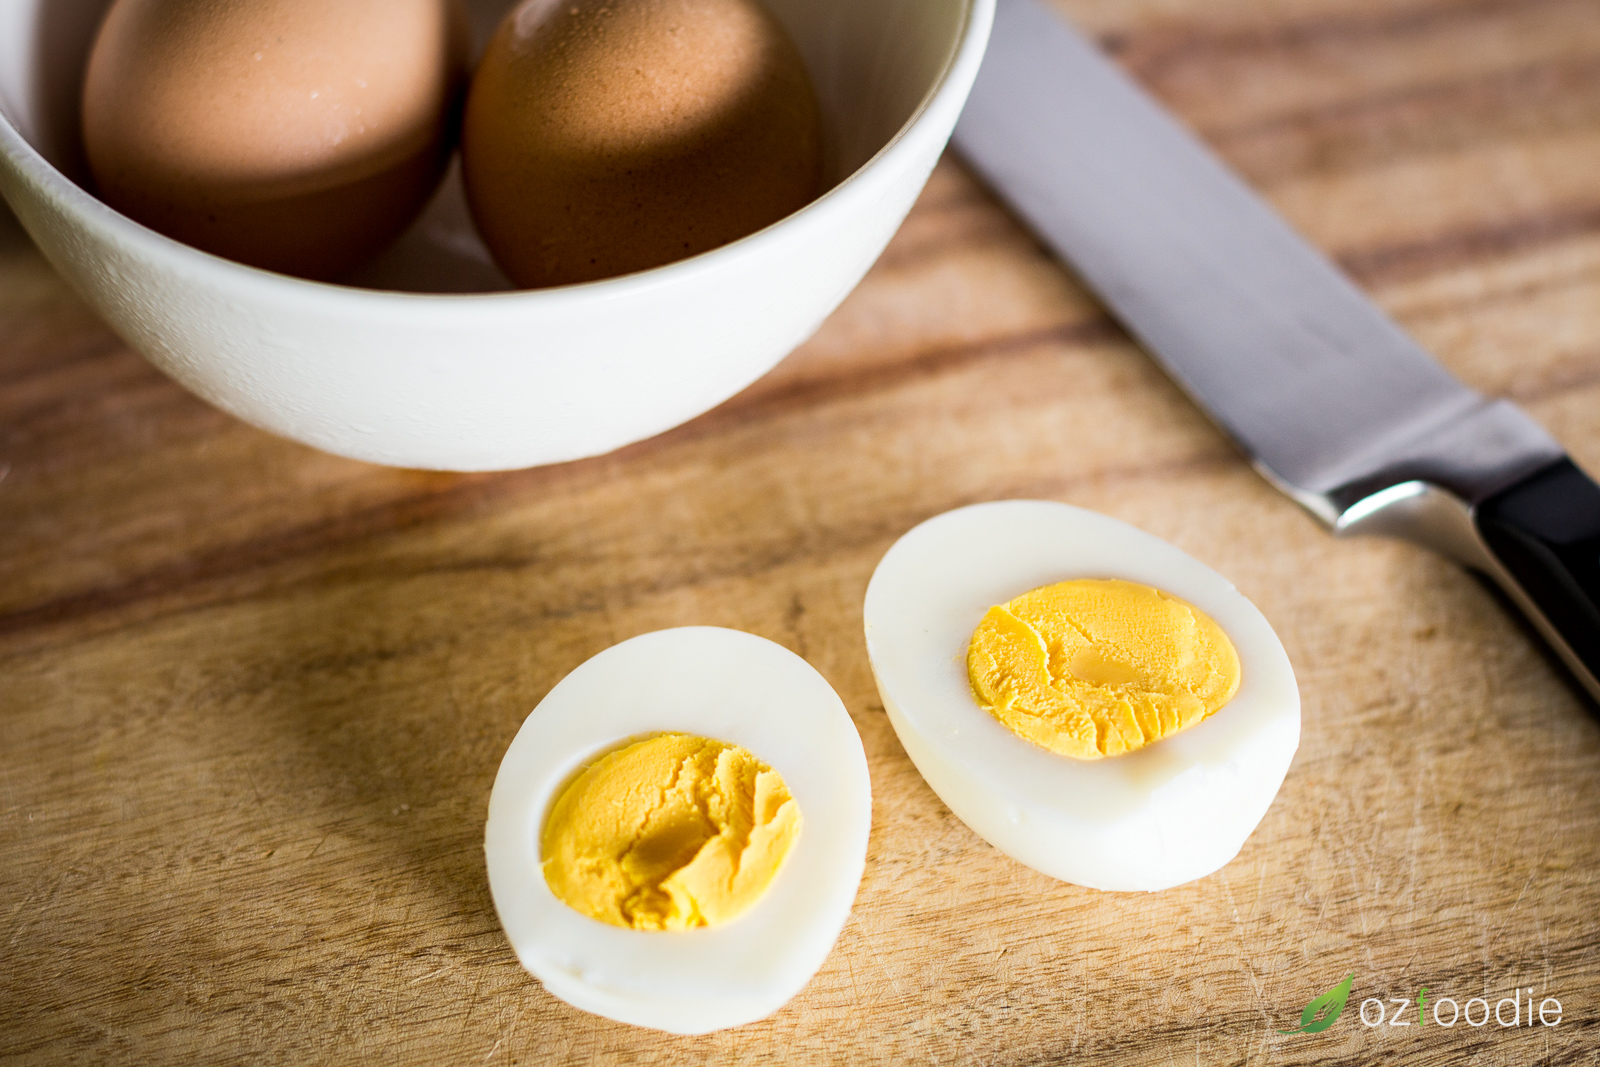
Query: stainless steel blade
(1328, 395)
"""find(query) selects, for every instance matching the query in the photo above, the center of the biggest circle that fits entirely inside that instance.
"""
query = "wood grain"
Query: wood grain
(252, 697)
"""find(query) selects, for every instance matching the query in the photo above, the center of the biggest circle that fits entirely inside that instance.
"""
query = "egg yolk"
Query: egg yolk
(669, 833)
(1091, 668)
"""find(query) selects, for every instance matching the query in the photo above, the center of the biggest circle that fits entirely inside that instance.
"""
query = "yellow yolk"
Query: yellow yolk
(669, 833)
(1092, 668)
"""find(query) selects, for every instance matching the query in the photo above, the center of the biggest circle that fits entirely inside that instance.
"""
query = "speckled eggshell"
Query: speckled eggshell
(604, 137)
(297, 135)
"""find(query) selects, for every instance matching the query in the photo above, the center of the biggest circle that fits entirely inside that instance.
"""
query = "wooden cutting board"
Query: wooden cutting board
(252, 697)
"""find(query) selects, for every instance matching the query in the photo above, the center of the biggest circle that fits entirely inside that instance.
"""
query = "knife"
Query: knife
(1331, 401)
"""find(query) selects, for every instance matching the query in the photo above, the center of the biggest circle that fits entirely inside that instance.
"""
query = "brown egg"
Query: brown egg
(297, 135)
(609, 136)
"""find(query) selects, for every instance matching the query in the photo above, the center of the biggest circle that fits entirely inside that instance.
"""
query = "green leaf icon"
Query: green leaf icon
(1324, 1011)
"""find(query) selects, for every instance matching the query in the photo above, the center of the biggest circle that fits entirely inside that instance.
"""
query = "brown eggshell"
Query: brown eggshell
(297, 135)
(604, 137)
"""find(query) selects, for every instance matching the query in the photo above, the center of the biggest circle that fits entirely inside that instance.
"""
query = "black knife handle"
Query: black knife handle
(1545, 532)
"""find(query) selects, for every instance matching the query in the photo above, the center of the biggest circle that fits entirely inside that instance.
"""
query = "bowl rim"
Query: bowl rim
(966, 51)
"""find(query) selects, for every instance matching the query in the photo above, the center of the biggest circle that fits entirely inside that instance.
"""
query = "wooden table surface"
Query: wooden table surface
(252, 697)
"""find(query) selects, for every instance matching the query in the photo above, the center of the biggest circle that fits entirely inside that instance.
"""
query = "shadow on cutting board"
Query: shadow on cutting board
(395, 699)
(13, 238)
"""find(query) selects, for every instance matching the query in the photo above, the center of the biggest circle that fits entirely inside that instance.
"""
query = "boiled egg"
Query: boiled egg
(1145, 808)
(725, 707)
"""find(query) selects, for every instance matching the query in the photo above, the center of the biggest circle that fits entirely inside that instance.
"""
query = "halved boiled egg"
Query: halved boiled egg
(654, 773)
(1061, 751)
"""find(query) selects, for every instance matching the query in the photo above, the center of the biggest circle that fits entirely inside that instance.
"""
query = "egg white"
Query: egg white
(1166, 814)
(716, 683)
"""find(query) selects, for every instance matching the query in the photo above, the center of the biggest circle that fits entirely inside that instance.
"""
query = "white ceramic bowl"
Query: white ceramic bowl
(452, 374)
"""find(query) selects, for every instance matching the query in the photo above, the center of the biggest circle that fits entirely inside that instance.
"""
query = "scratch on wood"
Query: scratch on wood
(1249, 966)
(16, 911)
(1531, 874)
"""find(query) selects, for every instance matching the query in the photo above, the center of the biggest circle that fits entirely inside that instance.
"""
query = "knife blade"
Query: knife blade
(1329, 398)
